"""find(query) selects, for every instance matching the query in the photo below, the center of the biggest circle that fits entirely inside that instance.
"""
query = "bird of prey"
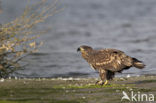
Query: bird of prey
(108, 61)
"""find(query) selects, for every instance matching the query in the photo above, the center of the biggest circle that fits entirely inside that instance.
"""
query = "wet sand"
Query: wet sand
(73, 90)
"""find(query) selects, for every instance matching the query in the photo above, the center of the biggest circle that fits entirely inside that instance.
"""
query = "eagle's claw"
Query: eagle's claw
(99, 83)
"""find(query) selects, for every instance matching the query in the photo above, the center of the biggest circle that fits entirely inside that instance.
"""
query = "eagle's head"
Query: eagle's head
(84, 49)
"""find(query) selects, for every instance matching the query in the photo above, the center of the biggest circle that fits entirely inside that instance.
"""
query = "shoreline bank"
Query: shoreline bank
(72, 90)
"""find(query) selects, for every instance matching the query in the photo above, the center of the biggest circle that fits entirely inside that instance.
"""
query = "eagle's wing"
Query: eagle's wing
(110, 59)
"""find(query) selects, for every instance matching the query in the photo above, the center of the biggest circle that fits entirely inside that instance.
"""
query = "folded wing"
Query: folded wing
(110, 59)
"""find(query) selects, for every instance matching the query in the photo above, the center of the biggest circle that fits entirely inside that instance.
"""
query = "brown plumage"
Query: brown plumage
(108, 61)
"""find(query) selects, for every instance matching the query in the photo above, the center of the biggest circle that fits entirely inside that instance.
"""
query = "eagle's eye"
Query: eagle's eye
(78, 49)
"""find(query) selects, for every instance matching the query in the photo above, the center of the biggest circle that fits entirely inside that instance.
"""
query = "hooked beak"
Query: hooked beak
(78, 49)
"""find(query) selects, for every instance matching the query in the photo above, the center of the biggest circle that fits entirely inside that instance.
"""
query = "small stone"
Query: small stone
(67, 91)
(83, 97)
(24, 82)
(90, 91)
(117, 91)
(128, 76)
(15, 78)
(122, 79)
(2, 80)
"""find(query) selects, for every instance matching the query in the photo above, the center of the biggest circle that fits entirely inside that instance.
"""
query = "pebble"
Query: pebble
(2, 80)
(67, 91)
(83, 97)
(128, 76)
(15, 78)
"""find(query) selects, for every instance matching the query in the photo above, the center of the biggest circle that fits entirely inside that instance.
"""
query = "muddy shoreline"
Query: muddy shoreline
(73, 90)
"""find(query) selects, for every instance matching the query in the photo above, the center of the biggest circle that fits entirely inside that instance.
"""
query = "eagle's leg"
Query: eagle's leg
(102, 74)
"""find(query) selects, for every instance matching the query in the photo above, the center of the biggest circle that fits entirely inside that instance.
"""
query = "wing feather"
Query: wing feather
(110, 59)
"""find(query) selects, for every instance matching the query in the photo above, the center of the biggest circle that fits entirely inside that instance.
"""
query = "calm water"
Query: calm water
(128, 25)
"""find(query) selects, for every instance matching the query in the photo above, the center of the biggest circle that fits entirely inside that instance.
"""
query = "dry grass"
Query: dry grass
(18, 37)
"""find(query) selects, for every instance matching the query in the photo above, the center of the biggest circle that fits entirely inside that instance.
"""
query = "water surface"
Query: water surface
(128, 25)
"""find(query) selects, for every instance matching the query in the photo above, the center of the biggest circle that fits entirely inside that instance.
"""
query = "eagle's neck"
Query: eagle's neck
(86, 54)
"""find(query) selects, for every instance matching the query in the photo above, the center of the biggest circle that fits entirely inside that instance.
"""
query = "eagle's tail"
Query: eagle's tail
(138, 64)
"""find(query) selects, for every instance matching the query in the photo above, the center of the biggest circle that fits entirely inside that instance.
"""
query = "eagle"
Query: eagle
(108, 61)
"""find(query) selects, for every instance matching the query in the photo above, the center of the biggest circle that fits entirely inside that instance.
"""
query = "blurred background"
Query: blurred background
(128, 25)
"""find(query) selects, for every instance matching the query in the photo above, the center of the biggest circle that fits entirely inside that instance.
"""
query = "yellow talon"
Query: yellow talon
(106, 82)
